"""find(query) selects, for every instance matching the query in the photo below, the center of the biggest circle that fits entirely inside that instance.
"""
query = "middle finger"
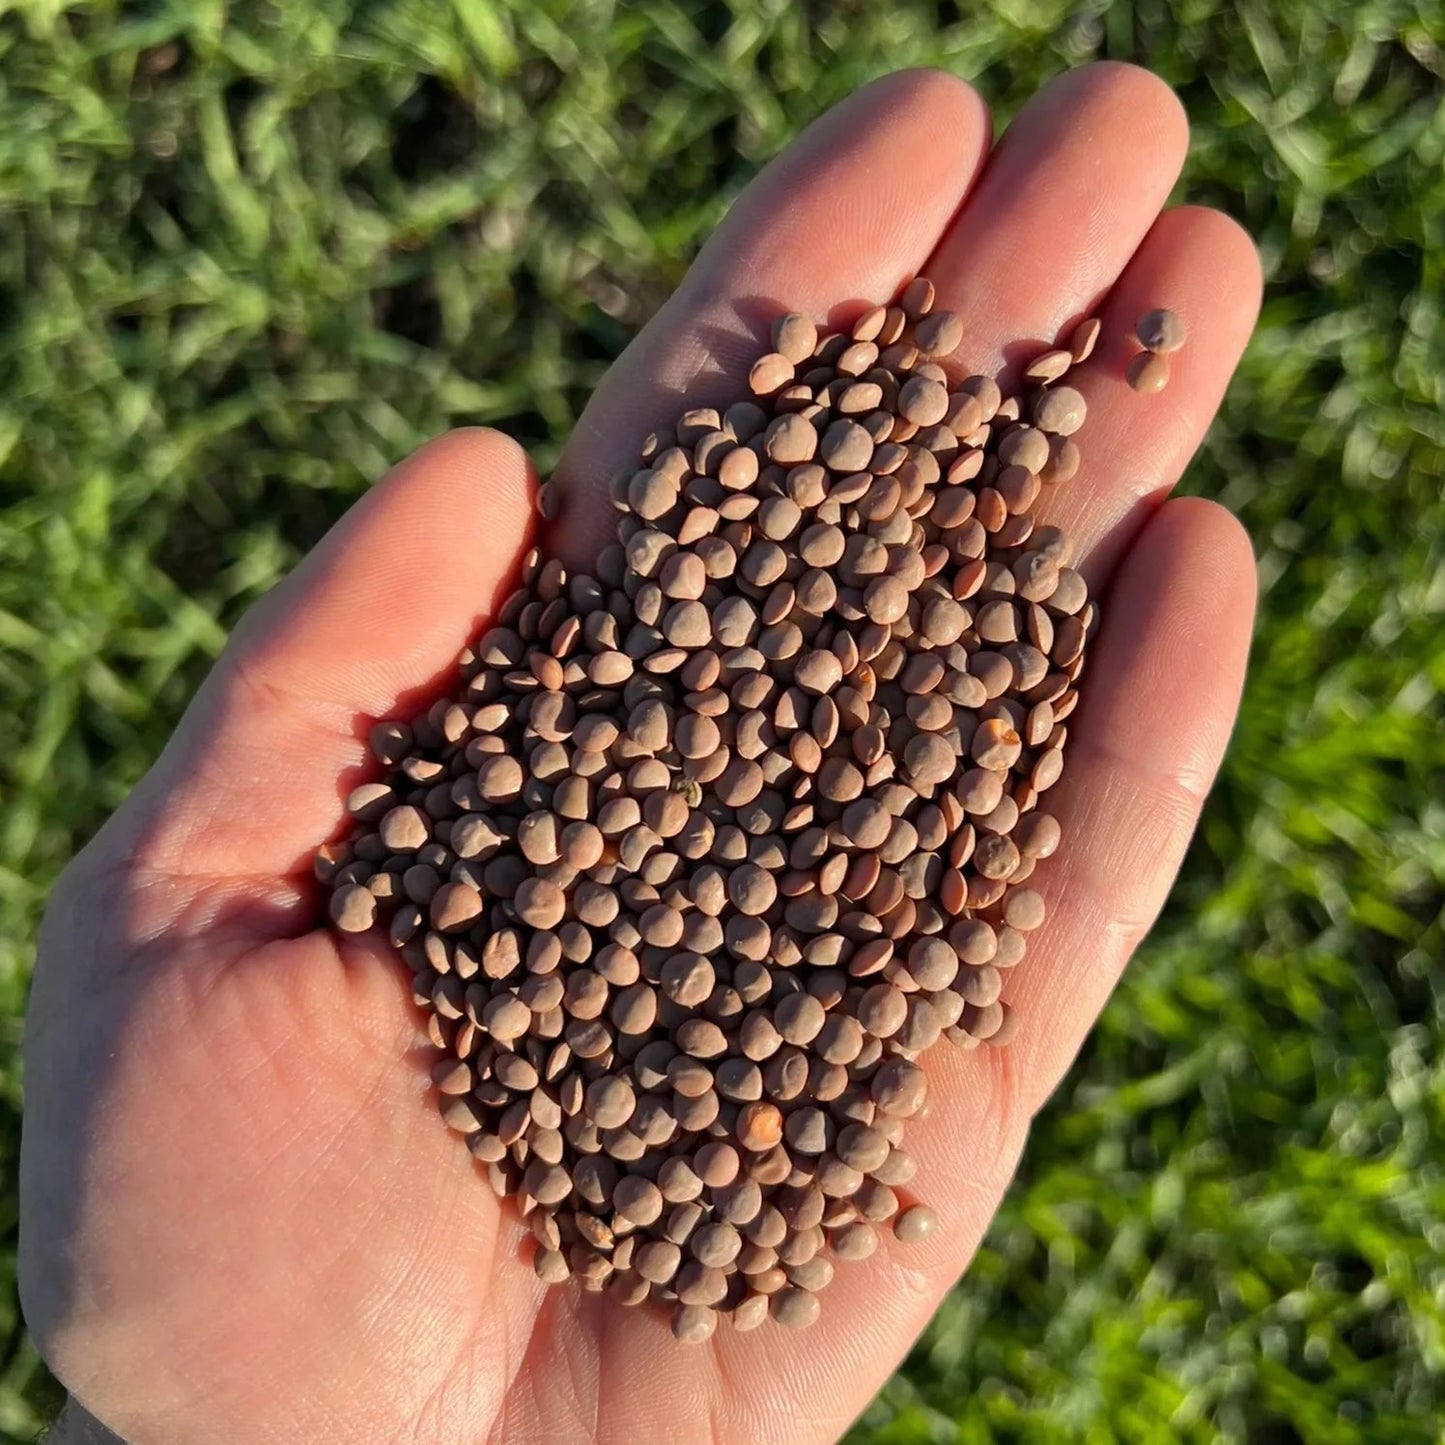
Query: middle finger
(1069, 193)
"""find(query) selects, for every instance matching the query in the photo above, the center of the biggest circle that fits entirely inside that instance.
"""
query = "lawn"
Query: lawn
(244, 267)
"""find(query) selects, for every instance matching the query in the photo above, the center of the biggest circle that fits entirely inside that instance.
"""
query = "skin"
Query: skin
(241, 1219)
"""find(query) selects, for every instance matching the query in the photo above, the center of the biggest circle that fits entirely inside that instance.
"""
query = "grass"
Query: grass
(245, 266)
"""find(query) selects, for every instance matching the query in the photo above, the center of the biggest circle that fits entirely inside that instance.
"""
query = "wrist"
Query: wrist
(77, 1426)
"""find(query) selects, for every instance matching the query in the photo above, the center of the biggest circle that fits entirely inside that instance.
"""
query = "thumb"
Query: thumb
(256, 773)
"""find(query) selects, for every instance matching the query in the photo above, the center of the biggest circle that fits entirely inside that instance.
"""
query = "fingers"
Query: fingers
(848, 212)
(1159, 700)
(1072, 188)
(1204, 267)
(376, 613)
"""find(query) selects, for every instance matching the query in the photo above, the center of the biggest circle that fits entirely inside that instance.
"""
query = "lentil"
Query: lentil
(705, 851)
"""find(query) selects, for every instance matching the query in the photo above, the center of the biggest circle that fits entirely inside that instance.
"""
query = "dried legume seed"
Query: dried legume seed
(914, 1223)
(691, 865)
(353, 908)
(1061, 411)
(1148, 372)
(794, 1308)
(1160, 331)
(1083, 339)
(1049, 366)
(794, 336)
(694, 1323)
(938, 334)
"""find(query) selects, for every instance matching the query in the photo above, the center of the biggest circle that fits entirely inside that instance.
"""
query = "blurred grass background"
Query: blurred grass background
(251, 253)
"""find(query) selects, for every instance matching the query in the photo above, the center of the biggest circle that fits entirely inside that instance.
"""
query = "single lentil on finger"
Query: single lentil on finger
(1160, 331)
(914, 1224)
(1148, 372)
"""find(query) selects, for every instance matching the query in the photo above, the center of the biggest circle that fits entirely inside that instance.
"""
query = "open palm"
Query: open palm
(242, 1218)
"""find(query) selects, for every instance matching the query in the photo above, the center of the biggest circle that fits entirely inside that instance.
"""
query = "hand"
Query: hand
(242, 1220)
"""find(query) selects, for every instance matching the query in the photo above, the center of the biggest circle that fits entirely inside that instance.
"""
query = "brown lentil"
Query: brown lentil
(1148, 372)
(914, 1223)
(1160, 331)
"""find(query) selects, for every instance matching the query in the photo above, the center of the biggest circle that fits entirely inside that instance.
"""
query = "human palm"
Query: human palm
(242, 1219)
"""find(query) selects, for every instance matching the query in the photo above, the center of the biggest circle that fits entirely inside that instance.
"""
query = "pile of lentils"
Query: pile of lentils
(707, 849)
